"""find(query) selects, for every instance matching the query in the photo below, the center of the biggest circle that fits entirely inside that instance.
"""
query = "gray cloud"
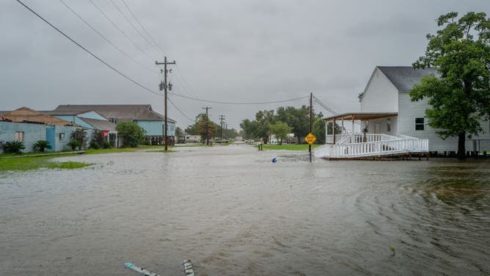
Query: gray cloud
(243, 50)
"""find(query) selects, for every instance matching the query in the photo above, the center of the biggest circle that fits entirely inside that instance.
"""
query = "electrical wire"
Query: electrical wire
(180, 111)
(143, 27)
(235, 103)
(117, 28)
(129, 21)
(327, 108)
(88, 51)
(105, 38)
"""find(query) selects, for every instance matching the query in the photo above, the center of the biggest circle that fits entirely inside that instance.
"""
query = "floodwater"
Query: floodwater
(234, 212)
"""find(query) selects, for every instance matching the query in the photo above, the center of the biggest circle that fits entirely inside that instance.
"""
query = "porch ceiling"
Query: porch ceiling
(363, 116)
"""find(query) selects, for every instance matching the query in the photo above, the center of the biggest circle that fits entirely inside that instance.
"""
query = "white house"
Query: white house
(390, 123)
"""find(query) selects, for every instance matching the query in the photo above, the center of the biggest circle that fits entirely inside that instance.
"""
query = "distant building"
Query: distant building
(29, 126)
(152, 122)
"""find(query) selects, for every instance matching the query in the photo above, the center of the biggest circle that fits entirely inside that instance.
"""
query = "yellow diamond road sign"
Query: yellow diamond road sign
(310, 138)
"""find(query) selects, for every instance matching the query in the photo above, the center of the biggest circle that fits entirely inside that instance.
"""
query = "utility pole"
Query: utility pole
(311, 121)
(165, 86)
(207, 123)
(221, 123)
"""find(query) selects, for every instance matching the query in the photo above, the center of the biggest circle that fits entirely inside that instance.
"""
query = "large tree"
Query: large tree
(297, 118)
(280, 130)
(459, 97)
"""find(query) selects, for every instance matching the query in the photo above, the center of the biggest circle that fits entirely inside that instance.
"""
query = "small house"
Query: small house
(29, 126)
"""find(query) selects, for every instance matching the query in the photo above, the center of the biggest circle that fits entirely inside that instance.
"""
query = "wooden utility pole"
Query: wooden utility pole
(311, 121)
(221, 123)
(207, 108)
(165, 86)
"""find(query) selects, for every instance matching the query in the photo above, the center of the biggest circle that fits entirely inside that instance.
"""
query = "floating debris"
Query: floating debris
(140, 270)
(188, 270)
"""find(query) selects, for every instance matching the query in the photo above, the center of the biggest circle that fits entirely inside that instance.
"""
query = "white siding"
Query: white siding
(382, 126)
(407, 113)
(380, 94)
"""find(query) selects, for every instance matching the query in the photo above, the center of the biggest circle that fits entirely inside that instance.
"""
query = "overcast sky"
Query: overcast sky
(239, 51)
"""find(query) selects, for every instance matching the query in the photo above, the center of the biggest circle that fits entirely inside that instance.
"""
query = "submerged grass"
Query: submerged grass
(25, 163)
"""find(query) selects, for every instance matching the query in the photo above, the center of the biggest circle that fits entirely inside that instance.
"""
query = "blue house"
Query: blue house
(91, 122)
(28, 126)
(142, 114)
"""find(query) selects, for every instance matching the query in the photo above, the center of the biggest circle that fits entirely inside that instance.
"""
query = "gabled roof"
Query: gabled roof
(27, 115)
(100, 124)
(123, 112)
(405, 77)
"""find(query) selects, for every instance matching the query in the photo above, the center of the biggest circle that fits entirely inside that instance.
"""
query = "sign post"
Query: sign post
(310, 139)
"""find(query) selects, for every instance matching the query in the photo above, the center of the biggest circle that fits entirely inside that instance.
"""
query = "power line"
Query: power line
(129, 21)
(180, 111)
(88, 51)
(104, 37)
(327, 108)
(235, 103)
(117, 28)
(143, 27)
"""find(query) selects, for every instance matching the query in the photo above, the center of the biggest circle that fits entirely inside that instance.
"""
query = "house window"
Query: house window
(419, 124)
(388, 125)
(19, 136)
(61, 136)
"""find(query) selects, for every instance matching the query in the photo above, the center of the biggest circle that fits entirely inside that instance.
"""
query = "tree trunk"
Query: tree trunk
(462, 145)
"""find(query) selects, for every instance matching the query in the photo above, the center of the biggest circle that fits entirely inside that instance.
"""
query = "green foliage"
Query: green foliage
(132, 135)
(280, 130)
(13, 147)
(78, 138)
(260, 127)
(319, 129)
(298, 119)
(99, 141)
(460, 95)
(41, 146)
(74, 145)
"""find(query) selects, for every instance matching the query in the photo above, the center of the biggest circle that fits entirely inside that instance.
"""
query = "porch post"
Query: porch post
(333, 131)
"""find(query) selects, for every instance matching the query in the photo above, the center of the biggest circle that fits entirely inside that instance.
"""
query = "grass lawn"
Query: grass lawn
(24, 163)
(298, 147)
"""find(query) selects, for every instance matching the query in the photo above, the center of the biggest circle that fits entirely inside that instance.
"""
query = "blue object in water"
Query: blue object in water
(274, 160)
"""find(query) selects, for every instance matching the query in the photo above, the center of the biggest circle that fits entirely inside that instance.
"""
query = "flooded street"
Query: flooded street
(233, 212)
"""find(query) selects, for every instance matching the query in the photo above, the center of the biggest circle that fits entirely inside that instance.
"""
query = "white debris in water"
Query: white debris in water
(188, 270)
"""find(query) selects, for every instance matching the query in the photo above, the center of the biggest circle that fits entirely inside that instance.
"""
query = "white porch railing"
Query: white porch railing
(360, 145)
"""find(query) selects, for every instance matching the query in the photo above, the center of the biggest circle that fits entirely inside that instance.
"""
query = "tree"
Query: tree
(297, 118)
(280, 130)
(460, 96)
(131, 133)
(41, 146)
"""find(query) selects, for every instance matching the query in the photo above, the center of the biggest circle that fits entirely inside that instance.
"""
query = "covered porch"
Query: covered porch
(356, 127)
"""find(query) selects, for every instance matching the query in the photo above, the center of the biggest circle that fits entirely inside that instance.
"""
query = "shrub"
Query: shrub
(131, 133)
(13, 147)
(78, 135)
(41, 146)
(74, 144)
